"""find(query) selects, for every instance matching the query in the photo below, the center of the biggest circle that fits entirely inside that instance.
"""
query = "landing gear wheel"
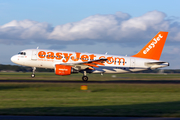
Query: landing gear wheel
(85, 78)
(33, 75)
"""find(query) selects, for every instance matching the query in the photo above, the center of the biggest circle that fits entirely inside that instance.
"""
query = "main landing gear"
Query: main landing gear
(85, 78)
(33, 75)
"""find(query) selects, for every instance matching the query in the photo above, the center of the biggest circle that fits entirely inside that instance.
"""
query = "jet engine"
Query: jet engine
(64, 70)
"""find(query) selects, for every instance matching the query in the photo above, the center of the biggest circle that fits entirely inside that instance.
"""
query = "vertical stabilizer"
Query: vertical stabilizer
(154, 48)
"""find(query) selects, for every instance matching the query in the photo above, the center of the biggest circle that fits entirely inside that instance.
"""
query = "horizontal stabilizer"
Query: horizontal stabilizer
(154, 65)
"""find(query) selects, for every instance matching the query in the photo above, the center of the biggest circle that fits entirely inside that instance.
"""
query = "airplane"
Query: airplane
(66, 63)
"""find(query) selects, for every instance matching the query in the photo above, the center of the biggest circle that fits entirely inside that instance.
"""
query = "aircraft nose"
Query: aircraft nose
(13, 59)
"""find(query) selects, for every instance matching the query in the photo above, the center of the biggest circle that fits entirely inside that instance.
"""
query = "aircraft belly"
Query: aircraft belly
(116, 71)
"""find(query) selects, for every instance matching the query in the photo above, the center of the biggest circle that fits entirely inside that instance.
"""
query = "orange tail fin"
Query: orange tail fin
(154, 48)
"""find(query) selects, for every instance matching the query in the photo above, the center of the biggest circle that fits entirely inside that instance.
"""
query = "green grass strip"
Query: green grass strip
(155, 100)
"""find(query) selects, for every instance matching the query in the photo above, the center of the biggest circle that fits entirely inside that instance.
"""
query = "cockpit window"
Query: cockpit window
(22, 53)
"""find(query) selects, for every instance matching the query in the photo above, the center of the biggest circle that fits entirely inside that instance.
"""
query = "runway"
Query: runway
(109, 81)
(80, 118)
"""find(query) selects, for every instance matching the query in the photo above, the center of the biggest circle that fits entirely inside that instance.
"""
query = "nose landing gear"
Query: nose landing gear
(33, 75)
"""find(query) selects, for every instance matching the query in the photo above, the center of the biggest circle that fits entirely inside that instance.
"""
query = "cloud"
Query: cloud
(174, 50)
(93, 27)
(21, 32)
(114, 28)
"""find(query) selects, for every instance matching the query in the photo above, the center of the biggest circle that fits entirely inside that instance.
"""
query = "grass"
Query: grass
(156, 100)
(92, 77)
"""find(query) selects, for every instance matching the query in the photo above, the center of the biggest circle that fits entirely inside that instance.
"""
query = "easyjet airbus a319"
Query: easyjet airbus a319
(66, 63)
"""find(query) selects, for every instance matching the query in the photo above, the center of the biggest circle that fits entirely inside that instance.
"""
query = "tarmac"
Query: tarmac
(80, 118)
(110, 81)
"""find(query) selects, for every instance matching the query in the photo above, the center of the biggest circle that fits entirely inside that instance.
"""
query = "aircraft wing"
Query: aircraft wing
(87, 64)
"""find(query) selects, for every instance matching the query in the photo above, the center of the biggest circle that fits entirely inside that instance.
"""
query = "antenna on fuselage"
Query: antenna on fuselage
(38, 47)
(106, 53)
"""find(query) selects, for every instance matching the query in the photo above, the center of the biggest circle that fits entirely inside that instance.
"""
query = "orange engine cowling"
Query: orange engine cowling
(63, 70)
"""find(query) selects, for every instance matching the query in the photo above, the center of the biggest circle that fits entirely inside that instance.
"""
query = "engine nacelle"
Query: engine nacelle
(64, 70)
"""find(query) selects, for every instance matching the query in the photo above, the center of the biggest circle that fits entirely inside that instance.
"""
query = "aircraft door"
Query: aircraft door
(34, 55)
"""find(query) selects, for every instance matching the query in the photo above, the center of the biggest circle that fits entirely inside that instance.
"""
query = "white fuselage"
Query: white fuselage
(42, 58)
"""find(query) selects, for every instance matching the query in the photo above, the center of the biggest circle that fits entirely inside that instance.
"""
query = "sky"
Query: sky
(117, 27)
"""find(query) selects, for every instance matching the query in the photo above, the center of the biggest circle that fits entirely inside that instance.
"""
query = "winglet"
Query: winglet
(154, 48)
